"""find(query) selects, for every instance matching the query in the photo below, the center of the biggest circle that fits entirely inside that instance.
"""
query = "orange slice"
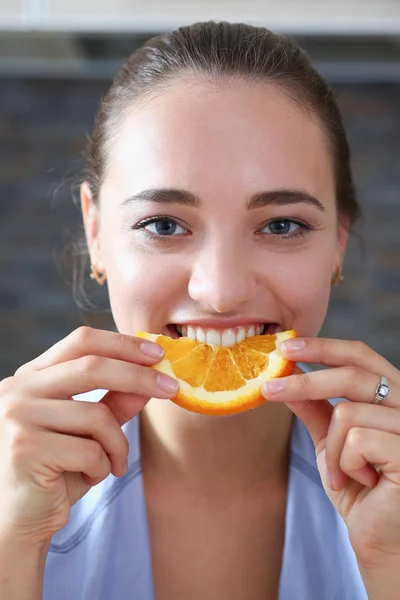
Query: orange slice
(215, 380)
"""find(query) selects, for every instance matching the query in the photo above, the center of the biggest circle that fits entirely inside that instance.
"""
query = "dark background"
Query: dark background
(44, 123)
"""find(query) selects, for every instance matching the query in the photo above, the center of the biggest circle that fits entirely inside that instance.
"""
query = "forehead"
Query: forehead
(234, 138)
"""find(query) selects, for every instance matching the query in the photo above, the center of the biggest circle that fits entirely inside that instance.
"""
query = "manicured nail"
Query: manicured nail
(126, 467)
(293, 345)
(166, 383)
(274, 387)
(151, 350)
(329, 480)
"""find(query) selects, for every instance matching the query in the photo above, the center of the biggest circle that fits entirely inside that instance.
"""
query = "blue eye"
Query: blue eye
(161, 227)
(286, 227)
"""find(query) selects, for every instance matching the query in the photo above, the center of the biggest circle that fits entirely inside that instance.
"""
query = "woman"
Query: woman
(219, 195)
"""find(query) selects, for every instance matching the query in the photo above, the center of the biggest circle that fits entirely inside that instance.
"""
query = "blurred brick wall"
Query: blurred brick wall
(43, 127)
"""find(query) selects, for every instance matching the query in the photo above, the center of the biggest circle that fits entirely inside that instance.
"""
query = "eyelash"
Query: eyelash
(303, 229)
(150, 220)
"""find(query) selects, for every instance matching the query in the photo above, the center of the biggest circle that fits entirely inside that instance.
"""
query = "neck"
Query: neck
(218, 454)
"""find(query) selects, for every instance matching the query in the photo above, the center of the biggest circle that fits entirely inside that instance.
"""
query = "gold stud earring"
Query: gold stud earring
(337, 277)
(100, 278)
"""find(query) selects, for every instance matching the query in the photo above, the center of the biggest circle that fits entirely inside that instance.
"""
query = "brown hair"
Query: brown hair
(216, 51)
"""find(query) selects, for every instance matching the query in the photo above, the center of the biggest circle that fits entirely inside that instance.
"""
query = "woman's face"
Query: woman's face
(217, 210)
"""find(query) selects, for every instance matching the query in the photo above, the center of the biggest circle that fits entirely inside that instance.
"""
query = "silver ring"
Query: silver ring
(382, 391)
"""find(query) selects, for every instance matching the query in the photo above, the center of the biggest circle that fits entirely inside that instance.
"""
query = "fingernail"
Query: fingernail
(329, 480)
(151, 350)
(166, 383)
(293, 345)
(274, 387)
(126, 467)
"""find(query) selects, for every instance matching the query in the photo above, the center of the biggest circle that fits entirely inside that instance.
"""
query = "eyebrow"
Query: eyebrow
(259, 200)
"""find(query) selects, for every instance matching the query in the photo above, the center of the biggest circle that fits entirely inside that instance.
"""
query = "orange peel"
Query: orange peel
(217, 380)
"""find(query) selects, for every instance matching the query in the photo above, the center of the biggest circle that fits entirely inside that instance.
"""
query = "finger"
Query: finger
(345, 417)
(316, 417)
(93, 372)
(365, 446)
(87, 341)
(79, 419)
(124, 406)
(337, 353)
(352, 383)
(48, 454)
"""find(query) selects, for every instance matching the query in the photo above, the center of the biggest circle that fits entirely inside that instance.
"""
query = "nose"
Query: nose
(222, 278)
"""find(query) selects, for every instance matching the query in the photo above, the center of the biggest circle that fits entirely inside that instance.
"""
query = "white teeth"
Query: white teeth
(191, 332)
(213, 337)
(200, 335)
(228, 338)
(241, 335)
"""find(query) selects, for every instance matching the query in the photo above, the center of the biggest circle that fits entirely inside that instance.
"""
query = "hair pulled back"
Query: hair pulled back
(218, 51)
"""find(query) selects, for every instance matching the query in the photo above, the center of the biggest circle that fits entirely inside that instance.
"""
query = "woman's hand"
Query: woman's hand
(52, 448)
(357, 443)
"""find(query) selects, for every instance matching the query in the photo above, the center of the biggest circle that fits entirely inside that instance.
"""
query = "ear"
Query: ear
(91, 223)
(343, 227)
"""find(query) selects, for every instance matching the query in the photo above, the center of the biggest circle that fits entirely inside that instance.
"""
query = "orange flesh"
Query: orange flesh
(217, 368)
(216, 380)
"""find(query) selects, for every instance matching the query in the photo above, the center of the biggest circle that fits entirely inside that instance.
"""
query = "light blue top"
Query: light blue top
(103, 553)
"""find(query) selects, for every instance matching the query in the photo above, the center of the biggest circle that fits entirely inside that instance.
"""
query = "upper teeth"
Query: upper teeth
(225, 337)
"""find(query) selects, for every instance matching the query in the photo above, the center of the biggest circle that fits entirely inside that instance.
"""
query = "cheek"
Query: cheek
(312, 305)
(142, 286)
(306, 287)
